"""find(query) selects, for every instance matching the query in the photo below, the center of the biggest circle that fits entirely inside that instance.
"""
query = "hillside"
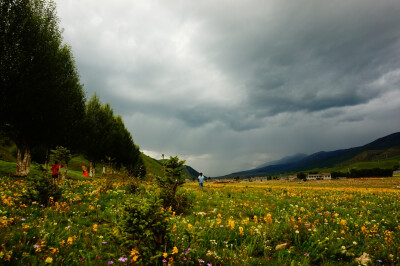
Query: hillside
(8, 153)
(154, 168)
(285, 160)
(383, 153)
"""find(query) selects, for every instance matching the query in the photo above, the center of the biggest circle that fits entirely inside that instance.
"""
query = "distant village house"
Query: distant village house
(322, 176)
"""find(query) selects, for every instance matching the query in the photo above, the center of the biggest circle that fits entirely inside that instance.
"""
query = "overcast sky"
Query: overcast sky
(230, 85)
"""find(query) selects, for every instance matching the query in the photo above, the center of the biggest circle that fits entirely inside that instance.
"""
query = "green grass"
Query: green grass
(153, 167)
(230, 224)
(7, 168)
(8, 150)
(388, 163)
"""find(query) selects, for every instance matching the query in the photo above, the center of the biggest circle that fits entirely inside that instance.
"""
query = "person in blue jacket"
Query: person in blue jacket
(201, 180)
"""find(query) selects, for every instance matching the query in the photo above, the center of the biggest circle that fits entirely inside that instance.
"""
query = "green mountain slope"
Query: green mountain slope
(155, 168)
(381, 153)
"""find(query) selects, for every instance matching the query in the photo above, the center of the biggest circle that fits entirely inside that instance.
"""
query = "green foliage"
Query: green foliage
(41, 189)
(134, 186)
(169, 184)
(39, 81)
(301, 176)
(107, 139)
(61, 154)
(355, 173)
(333, 223)
(173, 174)
(146, 228)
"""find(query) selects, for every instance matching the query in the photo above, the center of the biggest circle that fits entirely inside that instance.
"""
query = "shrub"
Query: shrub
(146, 228)
(134, 186)
(41, 188)
(169, 185)
(302, 176)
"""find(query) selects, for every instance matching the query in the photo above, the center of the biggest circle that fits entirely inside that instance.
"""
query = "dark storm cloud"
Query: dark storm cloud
(305, 57)
(232, 84)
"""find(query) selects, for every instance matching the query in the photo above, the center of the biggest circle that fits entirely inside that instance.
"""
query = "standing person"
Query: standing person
(55, 169)
(201, 180)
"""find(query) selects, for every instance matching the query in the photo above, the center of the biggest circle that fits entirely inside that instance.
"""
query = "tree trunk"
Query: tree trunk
(23, 161)
(91, 170)
(64, 173)
(19, 162)
(47, 162)
(27, 161)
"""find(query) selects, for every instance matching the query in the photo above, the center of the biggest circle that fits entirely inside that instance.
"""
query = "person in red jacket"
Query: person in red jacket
(55, 170)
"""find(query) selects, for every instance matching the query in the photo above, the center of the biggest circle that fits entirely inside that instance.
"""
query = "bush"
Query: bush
(180, 202)
(169, 185)
(41, 188)
(134, 186)
(146, 228)
(302, 176)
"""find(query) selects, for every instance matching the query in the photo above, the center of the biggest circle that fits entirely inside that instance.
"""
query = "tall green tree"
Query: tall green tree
(97, 127)
(108, 140)
(41, 97)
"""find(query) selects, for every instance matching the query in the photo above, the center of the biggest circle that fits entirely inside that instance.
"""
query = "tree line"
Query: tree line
(355, 173)
(43, 104)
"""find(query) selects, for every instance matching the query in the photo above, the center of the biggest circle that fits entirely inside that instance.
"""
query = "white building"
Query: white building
(322, 176)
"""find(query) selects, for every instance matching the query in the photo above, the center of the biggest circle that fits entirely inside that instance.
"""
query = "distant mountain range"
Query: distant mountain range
(285, 160)
(380, 149)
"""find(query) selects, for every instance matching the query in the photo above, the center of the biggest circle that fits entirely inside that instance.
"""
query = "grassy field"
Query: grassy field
(386, 163)
(247, 223)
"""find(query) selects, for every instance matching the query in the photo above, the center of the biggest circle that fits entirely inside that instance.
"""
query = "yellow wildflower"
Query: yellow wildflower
(241, 231)
(231, 224)
(49, 260)
(268, 218)
(54, 250)
(134, 255)
(165, 255)
(70, 241)
(175, 250)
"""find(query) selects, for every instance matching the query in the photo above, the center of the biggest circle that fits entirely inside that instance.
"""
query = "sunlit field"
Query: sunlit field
(353, 221)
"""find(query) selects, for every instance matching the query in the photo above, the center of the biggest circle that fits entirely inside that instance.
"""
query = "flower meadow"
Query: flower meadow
(347, 222)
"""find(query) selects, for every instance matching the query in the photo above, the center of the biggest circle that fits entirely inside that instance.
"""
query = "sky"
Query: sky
(230, 85)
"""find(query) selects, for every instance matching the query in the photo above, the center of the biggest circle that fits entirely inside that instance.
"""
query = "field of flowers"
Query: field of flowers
(249, 223)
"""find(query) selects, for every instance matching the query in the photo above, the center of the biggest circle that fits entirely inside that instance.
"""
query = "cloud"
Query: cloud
(228, 84)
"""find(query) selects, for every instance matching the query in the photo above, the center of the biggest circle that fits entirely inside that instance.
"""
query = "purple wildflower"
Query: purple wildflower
(201, 261)
(110, 262)
(123, 258)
